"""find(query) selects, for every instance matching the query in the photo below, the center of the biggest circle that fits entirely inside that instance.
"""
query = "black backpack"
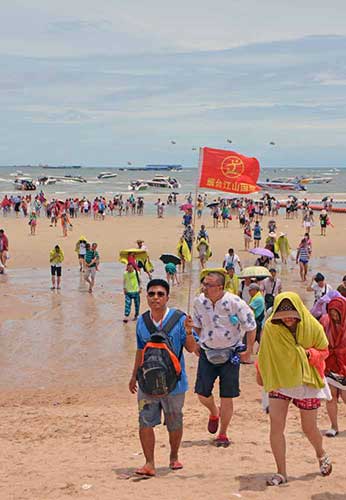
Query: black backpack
(160, 369)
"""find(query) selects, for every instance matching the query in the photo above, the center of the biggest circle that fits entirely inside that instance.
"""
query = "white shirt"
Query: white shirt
(232, 259)
(245, 292)
(267, 286)
(318, 291)
(217, 331)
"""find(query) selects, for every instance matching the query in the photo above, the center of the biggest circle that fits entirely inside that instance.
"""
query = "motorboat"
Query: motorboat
(138, 185)
(316, 180)
(70, 178)
(46, 181)
(281, 186)
(106, 175)
(24, 184)
(160, 181)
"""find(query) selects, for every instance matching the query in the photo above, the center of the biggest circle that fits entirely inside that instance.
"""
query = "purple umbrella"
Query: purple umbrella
(262, 251)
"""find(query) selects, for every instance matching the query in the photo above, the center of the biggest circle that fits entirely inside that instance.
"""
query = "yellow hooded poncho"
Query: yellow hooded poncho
(282, 360)
(208, 251)
(283, 245)
(183, 250)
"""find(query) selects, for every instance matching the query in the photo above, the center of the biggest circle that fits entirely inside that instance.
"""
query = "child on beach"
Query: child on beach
(171, 273)
(257, 234)
(132, 290)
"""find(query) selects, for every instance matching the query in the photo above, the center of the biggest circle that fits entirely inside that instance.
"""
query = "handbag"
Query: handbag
(269, 298)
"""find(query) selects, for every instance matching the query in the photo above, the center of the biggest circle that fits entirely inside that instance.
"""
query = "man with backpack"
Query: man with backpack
(159, 368)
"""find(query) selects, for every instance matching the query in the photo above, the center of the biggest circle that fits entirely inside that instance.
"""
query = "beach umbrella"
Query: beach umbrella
(186, 206)
(262, 251)
(138, 252)
(254, 272)
(325, 198)
(213, 204)
(170, 258)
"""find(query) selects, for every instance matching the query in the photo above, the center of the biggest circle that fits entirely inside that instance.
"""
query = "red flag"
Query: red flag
(229, 171)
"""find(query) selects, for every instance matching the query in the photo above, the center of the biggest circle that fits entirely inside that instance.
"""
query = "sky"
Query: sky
(109, 82)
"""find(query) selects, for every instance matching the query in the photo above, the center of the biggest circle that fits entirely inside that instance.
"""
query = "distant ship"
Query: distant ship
(62, 166)
(173, 168)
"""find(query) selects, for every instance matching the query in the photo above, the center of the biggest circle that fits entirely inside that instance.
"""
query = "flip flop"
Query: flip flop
(276, 480)
(145, 471)
(175, 465)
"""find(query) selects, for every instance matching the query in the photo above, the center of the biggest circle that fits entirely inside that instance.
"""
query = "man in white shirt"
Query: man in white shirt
(232, 258)
(271, 287)
(221, 319)
(319, 286)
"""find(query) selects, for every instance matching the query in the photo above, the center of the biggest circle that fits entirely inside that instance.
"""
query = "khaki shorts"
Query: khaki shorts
(150, 410)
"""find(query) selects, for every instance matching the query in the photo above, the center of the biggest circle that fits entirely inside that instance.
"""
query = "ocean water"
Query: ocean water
(187, 178)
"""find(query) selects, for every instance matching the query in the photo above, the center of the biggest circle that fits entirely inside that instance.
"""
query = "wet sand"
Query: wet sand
(69, 424)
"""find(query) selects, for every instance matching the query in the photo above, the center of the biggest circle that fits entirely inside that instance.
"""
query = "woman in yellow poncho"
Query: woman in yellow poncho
(283, 247)
(204, 251)
(183, 252)
(291, 368)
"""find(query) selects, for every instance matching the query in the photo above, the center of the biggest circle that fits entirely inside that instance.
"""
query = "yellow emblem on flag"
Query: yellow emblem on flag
(232, 167)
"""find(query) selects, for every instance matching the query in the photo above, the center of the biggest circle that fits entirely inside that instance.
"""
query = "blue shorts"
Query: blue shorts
(207, 373)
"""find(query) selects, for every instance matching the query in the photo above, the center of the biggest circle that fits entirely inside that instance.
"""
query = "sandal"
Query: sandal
(145, 471)
(222, 441)
(175, 465)
(213, 424)
(325, 465)
(331, 433)
(276, 480)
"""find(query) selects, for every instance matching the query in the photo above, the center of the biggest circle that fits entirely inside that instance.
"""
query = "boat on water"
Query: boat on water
(24, 184)
(314, 179)
(138, 185)
(281, 186)
(159, 167)
(70, 178)
(160, 181)
(19, 173)
(46, 180)
(61, 166)
(106, 175)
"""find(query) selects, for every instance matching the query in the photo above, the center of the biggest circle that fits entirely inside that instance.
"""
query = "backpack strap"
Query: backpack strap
(173, 320)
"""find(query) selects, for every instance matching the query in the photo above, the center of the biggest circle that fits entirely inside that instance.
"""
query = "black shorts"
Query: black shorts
(56, 270)
(207, 373)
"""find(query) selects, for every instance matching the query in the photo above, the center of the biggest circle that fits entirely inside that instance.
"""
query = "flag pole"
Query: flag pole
(193, 229)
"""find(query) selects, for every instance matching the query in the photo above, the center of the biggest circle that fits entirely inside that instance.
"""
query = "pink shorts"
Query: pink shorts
(302, 404)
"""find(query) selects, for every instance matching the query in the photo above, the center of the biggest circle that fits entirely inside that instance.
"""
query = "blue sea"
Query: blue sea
(187, 178)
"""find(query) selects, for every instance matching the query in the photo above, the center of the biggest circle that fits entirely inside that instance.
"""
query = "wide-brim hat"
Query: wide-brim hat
(285, 310)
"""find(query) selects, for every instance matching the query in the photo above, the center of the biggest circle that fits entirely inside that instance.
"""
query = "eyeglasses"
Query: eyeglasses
(209, 285)
(158, 294)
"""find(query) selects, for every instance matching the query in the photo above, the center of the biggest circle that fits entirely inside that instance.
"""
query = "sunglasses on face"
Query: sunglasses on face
(158, 294)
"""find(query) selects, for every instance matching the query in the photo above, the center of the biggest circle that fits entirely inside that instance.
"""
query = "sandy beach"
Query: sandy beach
(68, 422)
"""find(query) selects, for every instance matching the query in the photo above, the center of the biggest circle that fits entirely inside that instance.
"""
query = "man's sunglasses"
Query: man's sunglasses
(159, 294)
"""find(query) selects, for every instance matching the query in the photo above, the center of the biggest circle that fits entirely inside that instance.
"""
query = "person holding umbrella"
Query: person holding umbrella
(171, 262)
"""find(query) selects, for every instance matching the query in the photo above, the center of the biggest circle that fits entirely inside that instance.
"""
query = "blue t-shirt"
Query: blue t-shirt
(257, 232)
(177, 337)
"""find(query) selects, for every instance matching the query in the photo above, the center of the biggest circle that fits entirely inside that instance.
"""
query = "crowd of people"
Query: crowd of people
(301, 352)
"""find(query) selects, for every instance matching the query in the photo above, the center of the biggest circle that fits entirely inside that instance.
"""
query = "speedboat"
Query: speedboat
(106, 175)
(314, 179)
(281, 186)
(24, 184)
(160, 181)
(70, 178)
(46, 181)
(138, 185)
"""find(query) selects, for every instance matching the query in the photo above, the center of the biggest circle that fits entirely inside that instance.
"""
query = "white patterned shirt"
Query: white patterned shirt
(224, 323)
